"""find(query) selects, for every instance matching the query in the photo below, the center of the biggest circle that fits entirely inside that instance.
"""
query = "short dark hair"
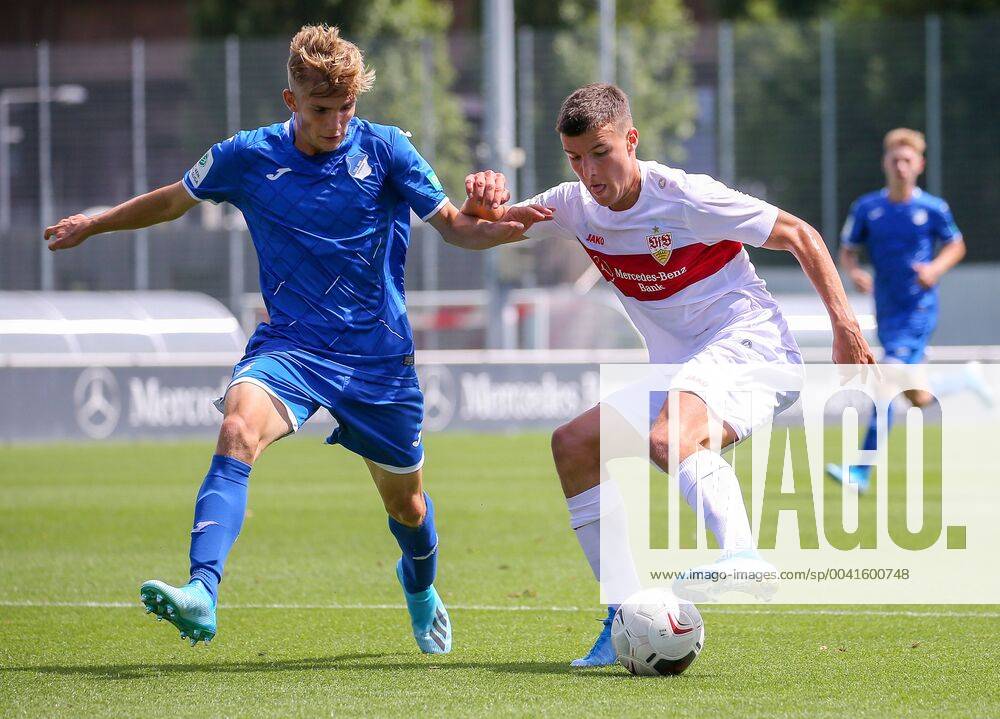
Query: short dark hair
(592, 107)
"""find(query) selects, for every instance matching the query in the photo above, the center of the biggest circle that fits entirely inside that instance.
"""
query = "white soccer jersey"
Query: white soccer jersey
(676, 260)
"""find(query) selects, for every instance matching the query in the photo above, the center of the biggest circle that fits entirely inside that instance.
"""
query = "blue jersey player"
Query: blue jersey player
(912, 241)
(327, 198)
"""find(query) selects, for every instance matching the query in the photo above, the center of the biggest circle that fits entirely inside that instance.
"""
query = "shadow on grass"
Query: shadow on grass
(340, 662)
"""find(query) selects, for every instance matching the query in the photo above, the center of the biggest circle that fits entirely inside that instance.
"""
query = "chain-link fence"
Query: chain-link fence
(794, 113)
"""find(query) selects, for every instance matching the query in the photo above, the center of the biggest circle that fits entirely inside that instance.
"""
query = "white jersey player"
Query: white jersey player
(672, 247)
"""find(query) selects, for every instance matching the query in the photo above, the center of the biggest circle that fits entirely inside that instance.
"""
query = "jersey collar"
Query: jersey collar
(323, 157)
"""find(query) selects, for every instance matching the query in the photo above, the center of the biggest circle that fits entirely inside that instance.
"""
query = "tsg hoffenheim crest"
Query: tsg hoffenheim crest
(659, 245)
(358, 167)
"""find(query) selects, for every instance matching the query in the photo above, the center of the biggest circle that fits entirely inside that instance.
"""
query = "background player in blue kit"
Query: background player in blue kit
(327, 199)
(912, 241)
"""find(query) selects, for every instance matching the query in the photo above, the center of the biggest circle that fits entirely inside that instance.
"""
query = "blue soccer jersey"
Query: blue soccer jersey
(331, 233)
(898, 235)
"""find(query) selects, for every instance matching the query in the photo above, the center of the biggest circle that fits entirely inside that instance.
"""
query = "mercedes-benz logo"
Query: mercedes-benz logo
(98, 402)
(438, 387)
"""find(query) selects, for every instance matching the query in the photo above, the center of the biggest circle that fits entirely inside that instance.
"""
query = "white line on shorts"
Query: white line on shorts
(708, 609)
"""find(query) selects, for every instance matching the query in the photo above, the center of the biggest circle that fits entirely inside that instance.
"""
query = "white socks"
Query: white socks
(708, 474)
(589, 518)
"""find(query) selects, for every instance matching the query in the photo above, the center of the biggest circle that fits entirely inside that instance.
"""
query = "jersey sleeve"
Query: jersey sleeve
(855, 230)
(561, 226)
(945, 229)
(216, 176)
(715, 213)
(414, 179)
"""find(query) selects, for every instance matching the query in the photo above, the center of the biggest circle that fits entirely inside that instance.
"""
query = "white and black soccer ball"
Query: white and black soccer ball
(656, 634)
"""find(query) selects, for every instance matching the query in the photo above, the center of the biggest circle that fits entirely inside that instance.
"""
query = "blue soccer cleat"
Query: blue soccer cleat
(428, 616)
(857, 475)
(189, 608)
(602, 654)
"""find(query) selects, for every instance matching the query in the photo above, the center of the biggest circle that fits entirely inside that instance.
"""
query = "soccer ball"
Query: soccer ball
(656, 634)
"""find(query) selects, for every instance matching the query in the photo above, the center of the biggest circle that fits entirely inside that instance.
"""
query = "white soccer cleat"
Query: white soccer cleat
(742, 572)
(975, 381)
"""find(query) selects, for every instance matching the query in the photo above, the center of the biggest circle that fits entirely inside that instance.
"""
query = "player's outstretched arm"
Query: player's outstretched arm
(162, 205)
(471, 233)
(805, 243)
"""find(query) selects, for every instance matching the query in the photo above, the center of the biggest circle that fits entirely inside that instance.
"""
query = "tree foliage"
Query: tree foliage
(404, 40)
(654, 41)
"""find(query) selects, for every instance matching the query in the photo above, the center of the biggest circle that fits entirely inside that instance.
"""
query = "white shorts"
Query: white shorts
(745, 377)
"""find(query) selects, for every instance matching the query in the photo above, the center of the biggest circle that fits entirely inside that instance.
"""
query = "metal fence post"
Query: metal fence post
(236, 236)
(499, 125)
(932, 26)
(429, 238)
(526, 110)
(828, 128)
(606, 40)
(5, 169)
(45, 161)
(139, 173)
(727, 105)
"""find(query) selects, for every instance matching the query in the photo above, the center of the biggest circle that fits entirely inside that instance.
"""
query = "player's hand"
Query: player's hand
(850, 346)
(68, 232)
(927, 275)
(862, 281)
(487, 188)
(527, 215)
(850, 349)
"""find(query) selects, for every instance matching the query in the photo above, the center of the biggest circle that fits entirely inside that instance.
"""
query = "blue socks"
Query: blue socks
(218, 517)
(871, 437)
(419, 545)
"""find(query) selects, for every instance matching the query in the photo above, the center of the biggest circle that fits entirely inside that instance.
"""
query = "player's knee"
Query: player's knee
(689, 440)
(409, 509)
(919, 398)
(569, 444)
(237, 438)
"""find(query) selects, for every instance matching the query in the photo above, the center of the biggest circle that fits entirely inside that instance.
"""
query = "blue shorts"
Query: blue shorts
(906, 342)
(379, 422)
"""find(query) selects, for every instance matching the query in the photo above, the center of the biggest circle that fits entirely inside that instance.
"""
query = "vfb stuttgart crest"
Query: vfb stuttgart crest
(659, 245)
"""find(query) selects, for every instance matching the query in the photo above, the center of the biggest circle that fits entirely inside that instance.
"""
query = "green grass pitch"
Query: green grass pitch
(311, 622)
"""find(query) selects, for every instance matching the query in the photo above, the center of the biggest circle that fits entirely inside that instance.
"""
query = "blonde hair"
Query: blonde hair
(324, 64)
(906, 137)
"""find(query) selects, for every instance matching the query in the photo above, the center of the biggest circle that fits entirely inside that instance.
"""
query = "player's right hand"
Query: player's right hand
(862, 281)
(487, 188)
(68, 232)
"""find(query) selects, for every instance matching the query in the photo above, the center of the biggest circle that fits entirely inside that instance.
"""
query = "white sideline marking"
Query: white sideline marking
(523, 608)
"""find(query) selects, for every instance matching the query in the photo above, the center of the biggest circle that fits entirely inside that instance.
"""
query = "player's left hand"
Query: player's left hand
(528, 215)
(515, 222)
(850, 346)
(927, 275)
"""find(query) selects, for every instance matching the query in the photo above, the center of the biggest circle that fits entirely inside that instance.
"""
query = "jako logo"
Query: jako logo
(596, 239)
